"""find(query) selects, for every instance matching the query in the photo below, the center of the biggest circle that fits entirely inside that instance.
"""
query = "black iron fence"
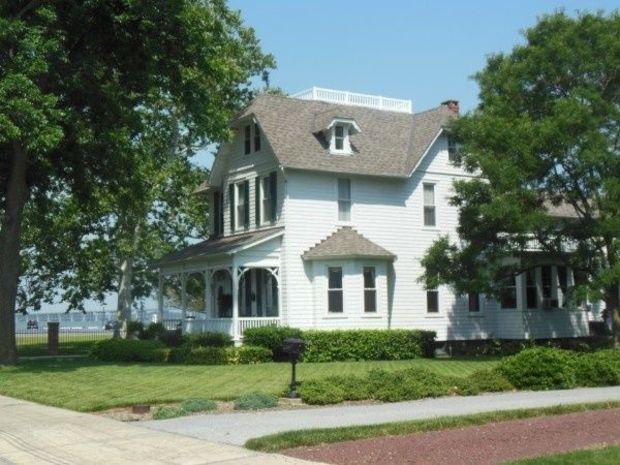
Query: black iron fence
(71, 341)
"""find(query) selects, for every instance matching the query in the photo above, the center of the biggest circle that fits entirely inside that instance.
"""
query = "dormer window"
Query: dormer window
(339, 133)
(339, 137)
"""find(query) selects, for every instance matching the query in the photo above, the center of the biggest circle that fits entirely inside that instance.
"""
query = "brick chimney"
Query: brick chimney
(452, 105)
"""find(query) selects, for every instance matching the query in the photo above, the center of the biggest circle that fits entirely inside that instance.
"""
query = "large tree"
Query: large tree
(545, 136)
(79, 85)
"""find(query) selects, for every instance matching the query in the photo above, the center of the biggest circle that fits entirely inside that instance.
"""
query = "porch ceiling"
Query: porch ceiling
(217, 247)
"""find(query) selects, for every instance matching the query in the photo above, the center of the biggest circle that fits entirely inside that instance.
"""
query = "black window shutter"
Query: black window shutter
(246, 213)
(216, 213)
(273, 191)
(231, 201)
(220, 198)
(257, 200)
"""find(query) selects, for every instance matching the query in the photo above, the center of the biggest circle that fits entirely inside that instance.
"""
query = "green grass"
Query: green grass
(313, 437)
(606, 456)
(85, 385)
(34, 345)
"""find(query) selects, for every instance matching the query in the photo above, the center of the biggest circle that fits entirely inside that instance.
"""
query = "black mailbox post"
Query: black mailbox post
(293, 348)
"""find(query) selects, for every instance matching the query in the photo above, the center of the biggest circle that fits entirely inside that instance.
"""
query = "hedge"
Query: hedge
(367, 344)
(127, 350)
(271, 337)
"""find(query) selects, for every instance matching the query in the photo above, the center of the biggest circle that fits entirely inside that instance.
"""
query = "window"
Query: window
(563, 285)
(265, 194)
(242, 212)
(370, 290)
(334, 291)
(248, 139)
(429, 205)
(452, 150)
(256, 138)
(344, 199)
(474, 302)
(339, 138)
(531, 289)
(508, 294)
(432, 301)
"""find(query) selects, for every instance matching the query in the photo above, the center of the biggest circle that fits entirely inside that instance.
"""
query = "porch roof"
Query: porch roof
(219, 246)
(346, 242)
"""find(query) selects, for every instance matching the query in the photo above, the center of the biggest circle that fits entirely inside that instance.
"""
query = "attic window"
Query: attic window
(340, 139)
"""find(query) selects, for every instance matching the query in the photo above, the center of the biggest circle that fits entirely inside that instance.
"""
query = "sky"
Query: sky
(424, 51)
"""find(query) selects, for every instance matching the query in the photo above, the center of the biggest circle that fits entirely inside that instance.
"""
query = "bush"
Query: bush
(179, 354)
(321, 392)
(127, 350)
(211, 339)
(409, 384)
(163, 413)
(172, 338)
(247, 354)
(540, 368)
(154, 331)
(598, 368)
(374, 344)
(206, 356)
(134, 328)
(482, 381)
(255, 401)
(198, 405)
(271, 337)
(162, 355)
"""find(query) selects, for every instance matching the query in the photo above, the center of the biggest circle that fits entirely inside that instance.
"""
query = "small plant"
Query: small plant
(198, 405)
(255, 401)
(163, 413)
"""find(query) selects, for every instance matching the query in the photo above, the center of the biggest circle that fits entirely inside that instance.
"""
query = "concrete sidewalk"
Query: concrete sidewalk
(36, 434)
(237, 428)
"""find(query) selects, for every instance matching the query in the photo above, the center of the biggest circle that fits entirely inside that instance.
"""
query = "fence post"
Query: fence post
(53, 328)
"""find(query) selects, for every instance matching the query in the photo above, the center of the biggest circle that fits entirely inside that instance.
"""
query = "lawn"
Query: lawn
(606, 456)
(86, 385)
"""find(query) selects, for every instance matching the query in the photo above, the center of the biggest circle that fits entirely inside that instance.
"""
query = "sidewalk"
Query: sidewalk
(237, 428)
(35, 434)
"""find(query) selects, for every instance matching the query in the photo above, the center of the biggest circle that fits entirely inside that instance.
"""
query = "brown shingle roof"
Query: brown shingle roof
(389, 144)
(346, 242)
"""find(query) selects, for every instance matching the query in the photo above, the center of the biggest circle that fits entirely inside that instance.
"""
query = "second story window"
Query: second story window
(242, 210)
(247, 139)
(344, 199)
(429, 205)
(452, 150)
(265, 199)
(256, 138)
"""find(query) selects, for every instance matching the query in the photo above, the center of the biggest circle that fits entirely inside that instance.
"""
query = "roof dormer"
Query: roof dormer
(337, 132)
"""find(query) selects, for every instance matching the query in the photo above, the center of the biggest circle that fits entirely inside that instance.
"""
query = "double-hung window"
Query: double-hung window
(370, 290)
(265, 194)
(242, 205)
(339, 138)
(432, 301)
(508, 294)
(562, 286)
(452, 150)
(344, 199)
(531, 289)
(334, 290)
(247, 146)
(429, 205)
(474, 302)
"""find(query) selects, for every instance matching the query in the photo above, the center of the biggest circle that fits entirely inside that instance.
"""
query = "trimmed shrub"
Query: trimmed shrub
(127, 350)
(134, 328)
(173, 338)
(153, 331)
(198, 405)
(179, 354)
(271, 337)
(321, 392)
(409, 384)
(247, 354)
(598, 368)
(482, 381)
(255, 401)
(163, 413)
(206, 356)
(211, 339)
(162, 355)
(540, 368)
(373, 344)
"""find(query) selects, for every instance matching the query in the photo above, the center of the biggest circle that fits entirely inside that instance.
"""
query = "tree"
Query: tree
(80, 83)
(545, 136)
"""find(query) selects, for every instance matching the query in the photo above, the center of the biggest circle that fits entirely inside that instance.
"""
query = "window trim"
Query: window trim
(370, 289)
(343, 200)
(335, 290)
(433, 206)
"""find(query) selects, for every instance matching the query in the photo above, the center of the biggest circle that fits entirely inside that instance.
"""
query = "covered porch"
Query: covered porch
(223, 285)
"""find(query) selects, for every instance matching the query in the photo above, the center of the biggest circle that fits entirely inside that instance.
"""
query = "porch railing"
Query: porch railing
(247, 323)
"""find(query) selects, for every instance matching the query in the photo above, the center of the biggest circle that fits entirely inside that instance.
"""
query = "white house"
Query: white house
(323, 205)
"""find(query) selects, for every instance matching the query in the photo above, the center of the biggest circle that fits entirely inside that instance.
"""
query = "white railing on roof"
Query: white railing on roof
(344, 97)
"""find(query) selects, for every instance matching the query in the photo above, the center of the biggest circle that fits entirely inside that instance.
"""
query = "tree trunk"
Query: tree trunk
(125, 299)
(10, 235)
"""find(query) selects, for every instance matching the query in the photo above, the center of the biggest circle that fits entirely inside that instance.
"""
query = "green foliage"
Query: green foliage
(126, 350)
(163, 413)
(540, 368)
(410, 384)
(247, 354)
(209, 339)
(172, 338)
(482, 381)
(371, 344)
(271, 337)
(335, 389)
(134, 328)
(255, 401)
(154, 331)
(198, 405)
(206, 356)
(598, 369)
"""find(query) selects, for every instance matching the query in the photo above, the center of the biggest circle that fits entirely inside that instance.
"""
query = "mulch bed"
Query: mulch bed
(492, 443)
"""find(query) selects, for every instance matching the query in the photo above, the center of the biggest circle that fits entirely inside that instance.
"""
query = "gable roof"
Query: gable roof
(390, 143)
(346, 242)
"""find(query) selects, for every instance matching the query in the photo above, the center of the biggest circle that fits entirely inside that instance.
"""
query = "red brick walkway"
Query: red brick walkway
(480, 445)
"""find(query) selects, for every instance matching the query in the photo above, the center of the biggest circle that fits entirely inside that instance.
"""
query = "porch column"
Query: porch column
(235, 303)
(160, 298)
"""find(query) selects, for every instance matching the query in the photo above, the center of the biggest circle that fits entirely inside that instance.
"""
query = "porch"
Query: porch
(232, 289)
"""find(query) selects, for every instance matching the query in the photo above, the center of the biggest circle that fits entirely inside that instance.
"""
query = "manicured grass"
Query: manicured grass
(313, 437)
(86, 385)
(606, 456)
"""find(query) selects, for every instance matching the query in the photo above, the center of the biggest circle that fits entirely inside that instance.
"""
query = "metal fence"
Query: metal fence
(71, 341)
